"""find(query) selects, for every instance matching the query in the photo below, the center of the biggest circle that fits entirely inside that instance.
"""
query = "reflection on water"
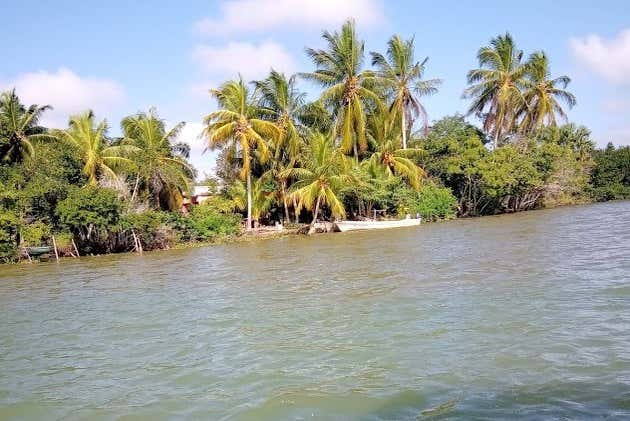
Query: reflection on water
(518, 316)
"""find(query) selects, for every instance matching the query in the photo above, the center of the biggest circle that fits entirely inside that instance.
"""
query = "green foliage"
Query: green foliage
(10, 224)
(611, 175)
(35, 234)
(206, 222)
(430, 202)
(90, 213)
(151, 227)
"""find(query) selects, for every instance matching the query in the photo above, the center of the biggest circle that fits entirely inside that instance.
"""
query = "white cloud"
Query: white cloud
(204, 161)
(609, 58)
(260, 15)
(67, 92)
(251, 60)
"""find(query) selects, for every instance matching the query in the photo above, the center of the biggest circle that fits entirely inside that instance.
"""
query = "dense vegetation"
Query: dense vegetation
(363, 145)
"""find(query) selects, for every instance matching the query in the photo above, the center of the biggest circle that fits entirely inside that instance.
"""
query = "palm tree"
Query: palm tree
(347, 87)
(237, 125)
(387, 156)
(262, 198)
(542, 99)
(99, 157)
(324, 172)
(402, 76)
(161, 162)
(281, 101)
(496, 87)
(19, 128)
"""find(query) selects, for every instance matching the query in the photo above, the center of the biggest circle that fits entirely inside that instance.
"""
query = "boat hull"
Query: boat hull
(344, 226)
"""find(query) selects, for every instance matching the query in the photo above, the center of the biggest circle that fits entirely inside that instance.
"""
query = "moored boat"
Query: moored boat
(344, 226)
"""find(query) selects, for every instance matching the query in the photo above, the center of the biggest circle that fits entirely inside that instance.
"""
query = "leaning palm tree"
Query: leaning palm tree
(90, 140)
(401, 76)
(237, 125)
(542, 99)
(324, 172)
(19, 128)
(496, 87)
(388, 159)
(347, 88)
(161, 166)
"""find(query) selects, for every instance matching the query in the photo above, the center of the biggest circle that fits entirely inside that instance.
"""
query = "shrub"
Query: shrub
(9, 231)
(35, 234)
(91, 213)
(431, 202)
(205, 223)
(150, 227)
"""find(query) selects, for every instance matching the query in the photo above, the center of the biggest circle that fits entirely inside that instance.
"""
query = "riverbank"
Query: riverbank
(266, 233)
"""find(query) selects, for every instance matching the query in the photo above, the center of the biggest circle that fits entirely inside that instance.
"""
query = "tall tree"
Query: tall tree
(321, 177)
(387, 155)
(99, 156)
(496, 87)
(161, 167)
(544, 95)
(237, 124)
(348, 88)
(19, 128)
(282, 102)
(402, 77)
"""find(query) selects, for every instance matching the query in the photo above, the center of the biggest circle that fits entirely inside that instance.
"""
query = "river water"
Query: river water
(522, 316)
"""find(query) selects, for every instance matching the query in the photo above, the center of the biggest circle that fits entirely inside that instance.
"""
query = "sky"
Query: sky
(121, 57)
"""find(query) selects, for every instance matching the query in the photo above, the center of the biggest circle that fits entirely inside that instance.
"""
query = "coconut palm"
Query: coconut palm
(542, 98)
(237, 125)
(401, 75)
(281, 101)
(347, 88)
(387, 157)
(324, 172)
(99, 156)
(496, 87)
(262, 197)
(161, 164)
(19, 128)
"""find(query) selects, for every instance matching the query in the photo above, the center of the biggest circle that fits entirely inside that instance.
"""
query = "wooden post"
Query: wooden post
(55, 248)
(136, 241)
(76, 249)
(28, 255)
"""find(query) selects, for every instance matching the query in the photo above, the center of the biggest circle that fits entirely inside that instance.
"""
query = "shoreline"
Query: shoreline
(268, 235)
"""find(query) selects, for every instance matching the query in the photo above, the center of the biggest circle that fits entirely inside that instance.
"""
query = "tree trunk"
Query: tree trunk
(283, 186)
(404, 130)
(315, 213)
(249, 201)
(297, 215)
(135, 188)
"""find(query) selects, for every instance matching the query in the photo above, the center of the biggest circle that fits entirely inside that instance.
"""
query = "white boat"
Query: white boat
(344, 226)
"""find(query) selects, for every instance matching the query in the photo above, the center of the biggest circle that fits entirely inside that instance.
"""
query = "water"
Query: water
(521, 316)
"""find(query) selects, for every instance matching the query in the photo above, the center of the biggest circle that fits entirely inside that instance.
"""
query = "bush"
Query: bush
(91, 213)
(150, 227)
(9, 231)
(205, 223)
(35, 234)
(431, 202)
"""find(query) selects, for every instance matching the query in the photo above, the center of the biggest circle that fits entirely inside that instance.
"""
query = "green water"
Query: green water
(512, 317)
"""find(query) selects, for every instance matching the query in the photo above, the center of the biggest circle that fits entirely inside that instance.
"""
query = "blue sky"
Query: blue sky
(120, 57)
